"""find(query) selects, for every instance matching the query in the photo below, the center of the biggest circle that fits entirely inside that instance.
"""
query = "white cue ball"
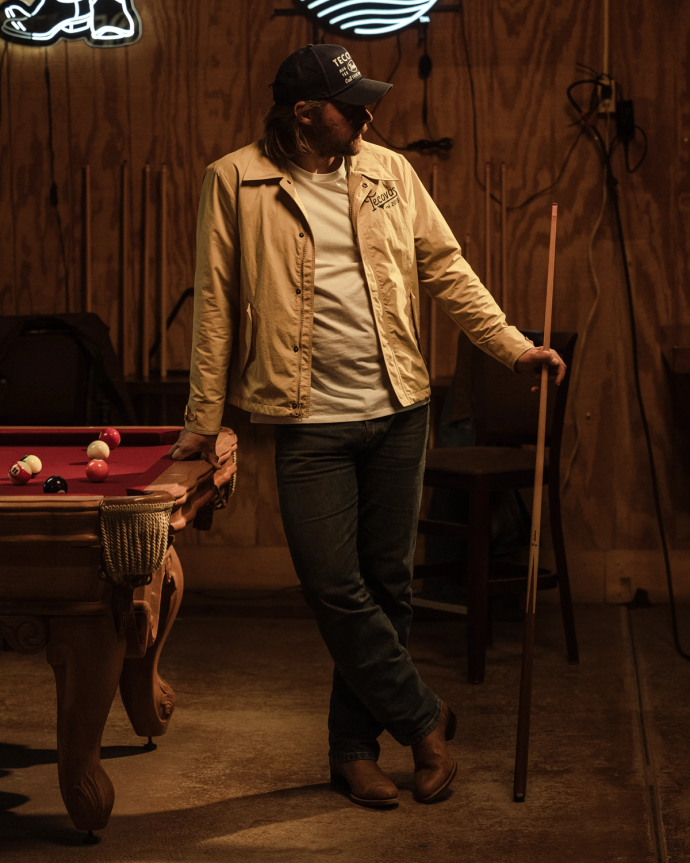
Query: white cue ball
(98, 449)
(34, 463)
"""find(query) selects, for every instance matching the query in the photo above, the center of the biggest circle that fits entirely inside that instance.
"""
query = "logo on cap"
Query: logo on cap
(346, 66)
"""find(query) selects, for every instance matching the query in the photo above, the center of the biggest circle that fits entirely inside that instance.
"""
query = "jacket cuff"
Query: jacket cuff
(204, 419)
(509, 346)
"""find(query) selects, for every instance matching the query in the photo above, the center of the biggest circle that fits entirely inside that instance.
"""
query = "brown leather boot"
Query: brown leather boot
(367, 783)
(434, 767)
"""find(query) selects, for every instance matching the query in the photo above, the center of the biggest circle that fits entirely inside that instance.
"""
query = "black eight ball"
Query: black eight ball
(55, 485)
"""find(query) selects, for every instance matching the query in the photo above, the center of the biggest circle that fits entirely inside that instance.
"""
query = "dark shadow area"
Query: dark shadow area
(8, 800)
(182, 828)
(15, 757)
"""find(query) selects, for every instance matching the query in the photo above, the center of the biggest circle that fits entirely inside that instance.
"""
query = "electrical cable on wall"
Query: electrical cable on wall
(424, 68)
(575, 373)
(473, 102)
(626, 128)
(391, 74)
(625, 135)
(53, 195)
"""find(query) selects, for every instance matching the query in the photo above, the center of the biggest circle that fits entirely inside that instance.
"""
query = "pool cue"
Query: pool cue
(433, 310)
(164, 272)
(87, 240)
(520, 778)
(145, 272)
(502, 294)
(124, 268)
(487, 224)
(466, 247)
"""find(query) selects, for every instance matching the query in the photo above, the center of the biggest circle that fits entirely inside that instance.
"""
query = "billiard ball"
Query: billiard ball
(98, 450)
(111, 437)
(34, 463)
(55, 485)
(97, 470)
(19, 473)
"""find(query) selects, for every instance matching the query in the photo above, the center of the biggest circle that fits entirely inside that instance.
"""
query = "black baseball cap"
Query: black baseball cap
(324, 72)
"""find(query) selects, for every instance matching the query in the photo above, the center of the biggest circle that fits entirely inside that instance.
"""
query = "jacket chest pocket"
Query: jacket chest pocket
(384, 221)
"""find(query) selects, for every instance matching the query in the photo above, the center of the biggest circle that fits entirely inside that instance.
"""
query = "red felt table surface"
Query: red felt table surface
(139, 460)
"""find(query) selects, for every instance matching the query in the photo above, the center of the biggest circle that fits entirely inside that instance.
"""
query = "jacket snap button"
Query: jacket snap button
(298, 291)
(295, 349)
(364, 185)
(289, 182)
(294, 404)
(301, 234)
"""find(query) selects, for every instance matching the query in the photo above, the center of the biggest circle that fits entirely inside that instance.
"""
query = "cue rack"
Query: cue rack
(128, 301)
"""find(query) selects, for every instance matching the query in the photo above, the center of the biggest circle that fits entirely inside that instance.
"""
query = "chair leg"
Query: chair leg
(568, 616)
(478, 580)
(489, 624)
(562, 570)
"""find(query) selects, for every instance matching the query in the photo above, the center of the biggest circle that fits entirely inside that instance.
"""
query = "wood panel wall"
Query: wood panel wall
(196, 86)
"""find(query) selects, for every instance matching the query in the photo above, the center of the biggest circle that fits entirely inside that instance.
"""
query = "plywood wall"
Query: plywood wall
(196, 86)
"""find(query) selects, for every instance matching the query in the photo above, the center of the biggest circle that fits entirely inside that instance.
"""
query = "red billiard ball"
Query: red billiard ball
(19, 473)
(110, 436)
(97, 470)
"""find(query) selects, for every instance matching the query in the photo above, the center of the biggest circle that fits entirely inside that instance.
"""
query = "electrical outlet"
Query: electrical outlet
(606, 96)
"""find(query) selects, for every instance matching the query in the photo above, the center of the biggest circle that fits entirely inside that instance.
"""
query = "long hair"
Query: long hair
(284, 134)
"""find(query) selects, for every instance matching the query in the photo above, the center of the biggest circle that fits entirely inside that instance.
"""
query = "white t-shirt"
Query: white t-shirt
(349, 380)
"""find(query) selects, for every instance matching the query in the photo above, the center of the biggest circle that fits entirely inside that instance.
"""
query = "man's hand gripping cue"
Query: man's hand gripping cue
(190, 443)
(531, 362)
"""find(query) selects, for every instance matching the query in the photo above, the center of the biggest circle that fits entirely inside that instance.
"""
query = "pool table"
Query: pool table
(92, 577)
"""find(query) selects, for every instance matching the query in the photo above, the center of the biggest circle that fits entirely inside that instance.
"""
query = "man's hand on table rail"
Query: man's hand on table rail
(190, 443)
(531, 362)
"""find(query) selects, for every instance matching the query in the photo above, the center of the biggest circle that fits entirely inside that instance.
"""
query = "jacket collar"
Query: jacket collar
(260, 167)
(369, 165)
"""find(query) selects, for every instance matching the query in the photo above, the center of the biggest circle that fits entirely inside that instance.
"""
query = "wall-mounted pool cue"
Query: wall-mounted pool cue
(88, 298)
(164, 272)
(125, 298)
(504, 287)
(487, 225)
(145, 271)
(521, 753)
(433, 307)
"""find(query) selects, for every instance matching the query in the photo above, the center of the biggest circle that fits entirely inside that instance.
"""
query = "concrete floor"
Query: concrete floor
(242, 774)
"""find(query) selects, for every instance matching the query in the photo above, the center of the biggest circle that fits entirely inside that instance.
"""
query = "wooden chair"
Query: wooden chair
(60, 370)
(506, 415)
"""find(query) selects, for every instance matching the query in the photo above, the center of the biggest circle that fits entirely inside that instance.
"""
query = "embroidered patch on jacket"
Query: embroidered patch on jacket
(385, 200)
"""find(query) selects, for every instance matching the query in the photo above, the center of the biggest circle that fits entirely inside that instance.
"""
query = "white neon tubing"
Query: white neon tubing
(401, 3)
(365, 23)
(353, 14)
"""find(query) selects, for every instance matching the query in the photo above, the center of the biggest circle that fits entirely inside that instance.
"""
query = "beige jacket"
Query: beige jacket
(254, 287)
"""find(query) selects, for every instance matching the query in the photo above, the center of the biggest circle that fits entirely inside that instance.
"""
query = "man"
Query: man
(312, 246)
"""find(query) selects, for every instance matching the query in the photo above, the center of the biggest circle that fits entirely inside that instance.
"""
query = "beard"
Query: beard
(327, 141)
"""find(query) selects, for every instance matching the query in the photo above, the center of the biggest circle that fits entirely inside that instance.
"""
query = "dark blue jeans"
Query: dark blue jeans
(349, 497)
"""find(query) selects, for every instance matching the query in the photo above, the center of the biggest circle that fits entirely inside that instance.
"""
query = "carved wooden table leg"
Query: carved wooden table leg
(86, 654)
(148, 699)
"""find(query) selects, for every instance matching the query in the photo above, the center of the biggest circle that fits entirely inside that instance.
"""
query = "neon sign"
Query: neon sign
(366, 17)
(100, 23)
